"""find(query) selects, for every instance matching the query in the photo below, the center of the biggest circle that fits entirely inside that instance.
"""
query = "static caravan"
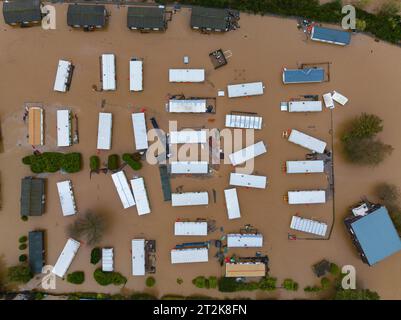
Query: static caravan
(305, 106)
(64, 128)
(189, 167)
(107, 260)
(238, 240)
(104, 131)
(108, 72)
(67, 199)
(190, 228)
(243, 121)
(190, 255)
(190, 199)
(187, 106)
(35, 126)
(248, 180)
(65, 259)
(338, 97)
(186, 75)
(63, 76)
(247, 153)
(308, 226)
(140, 196)
(328, 100)
(36, 251)
(306, 141)
(307, 166)
(187, 136)
(123, 189)
(138, 257)
(232, 203)
(245, 269)
(245, 89)
(307, 75)
(333, 36)
(135, 75)
(307, 197)
(140, 133)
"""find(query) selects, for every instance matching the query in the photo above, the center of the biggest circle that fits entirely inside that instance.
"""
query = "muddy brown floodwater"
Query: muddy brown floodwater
(367, 72)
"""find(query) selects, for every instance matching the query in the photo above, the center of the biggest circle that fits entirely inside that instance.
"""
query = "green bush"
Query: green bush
(23, 239)
(71, 162)
(268, 284)
(290, 285)
(94, 163)
(150, 282)
(325, 283)
(19, 274)
(212, 282)
(53, 162)
(22, 246)
(24, 218)
(22, 258)
(77, 277)
(172, 297)
(96, 255)
(231, 285)
(107, 278)
(180, 281)
(312, 289)
(134, 164)
(26, 160)
(142, 296)
(39, 295)
(334, 269)
(113, 162)
(200, 282)
(349, 294)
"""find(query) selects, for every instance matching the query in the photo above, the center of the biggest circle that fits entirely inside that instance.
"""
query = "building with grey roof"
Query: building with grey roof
(212, 19)
(22, 12)
(32, 196)
(36, 251)
(147, 18)
(86, 16)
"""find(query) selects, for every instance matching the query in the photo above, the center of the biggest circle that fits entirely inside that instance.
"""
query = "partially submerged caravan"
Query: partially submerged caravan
(104, 131)
(65, 259)
(308, 226)
(189, 167)
(306, 166)
(140, 196)
(188, 136)
(306, 75)
(190, 228)
(187, 106)
(248, 180)
(136, 75)
(140, 133)
(245, 89)
(329, 35)
(138, 257)
(243, 121)
(338, 97)
(307, 141)
(189, 255)
(123, 189)
(247, 153)
(64, 131)
(190, 199)
(307, 197)
(63, 76)
(108, 65)
(304, 106)
(35, 126)
(239, 240)
(107, 260)
(232, 203)
(67, 199)
(187, 75)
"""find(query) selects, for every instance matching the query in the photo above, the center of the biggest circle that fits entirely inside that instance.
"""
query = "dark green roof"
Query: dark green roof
(209, 18)
(20, 11)
(36, 251)
(32, 196)
(86, 15)
(146, 18)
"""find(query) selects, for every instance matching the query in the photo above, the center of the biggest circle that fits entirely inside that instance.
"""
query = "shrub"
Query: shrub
(312, 289)
(39, 295)
(113, 162)
(325, 283)
(172, 297)
(200, 282)
(349, 294)
(180, 281)
(290, 285)
(334, 269)
(268, 283)
(23, 239)
(22, 258)
(94, 163)
(134, 164)
(27, 160)
(19, 274)
(24, 218)
(212, 282)
(54, 161)
(142, 296)
(388, 193)
(71, 162)
(227, 284)
(22, 246)
(107, 278)
(150, 282)
(77, 277)
(96, 255)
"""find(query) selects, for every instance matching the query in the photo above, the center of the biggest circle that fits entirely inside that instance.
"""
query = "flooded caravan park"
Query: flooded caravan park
(367, 72)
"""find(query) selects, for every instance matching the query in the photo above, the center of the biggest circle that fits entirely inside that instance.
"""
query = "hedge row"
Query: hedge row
(133, 163)
(231, 285)
(53, 162)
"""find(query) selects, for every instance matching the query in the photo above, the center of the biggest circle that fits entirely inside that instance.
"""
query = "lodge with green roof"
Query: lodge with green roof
(147, 18)
(212, 19)
(22, 12)
(32, 196)
(85, 16)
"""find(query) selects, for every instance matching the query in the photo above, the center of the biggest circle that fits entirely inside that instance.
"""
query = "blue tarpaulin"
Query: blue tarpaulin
(303, 75)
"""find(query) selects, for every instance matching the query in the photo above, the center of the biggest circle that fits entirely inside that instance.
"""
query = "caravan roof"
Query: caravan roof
(242, 269)
(307, 197)
(140, 133)
(108, 72)
(190, 255)
(245, 89)
(187, 106)
(305, 106)
(140, 195)
(188, 136)
(123, 189)
(62, 76)
(107, 259)
(308, 226)
(65, 259)
(67, 199)
(307, 75)
(104, 131)
(190, 228)
(136, 75)
(189, 167)
(243, 121)
(186, 75)
(189, 199)
(138, 257)
(329, 35)
(63, 128)
(36, 251)
(247, 153)
(248, 180)
(238, 240)
(35, 126)
(307, 166)
(307, 141)
(232, 203)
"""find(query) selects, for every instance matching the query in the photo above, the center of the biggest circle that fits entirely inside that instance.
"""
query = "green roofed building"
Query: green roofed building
(86, 16)
(36, 251)
(211, 19)
(147, 18)
(22, 12)
(32, 196)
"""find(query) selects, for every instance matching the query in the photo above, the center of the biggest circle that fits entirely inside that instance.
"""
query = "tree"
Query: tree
(107, 278)
(150, 282)
(390, 8)
(20, 274)
(200, 282)
(290, 285)
(325, 283)
(349, 294)
(90, 226)
(364, 126)
(96, 255)
(94, 163)
(113, 162)
(77, 277)
(388, 193)
(267, 283)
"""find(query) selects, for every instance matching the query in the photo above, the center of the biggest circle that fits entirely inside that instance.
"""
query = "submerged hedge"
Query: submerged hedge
(53, 162)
